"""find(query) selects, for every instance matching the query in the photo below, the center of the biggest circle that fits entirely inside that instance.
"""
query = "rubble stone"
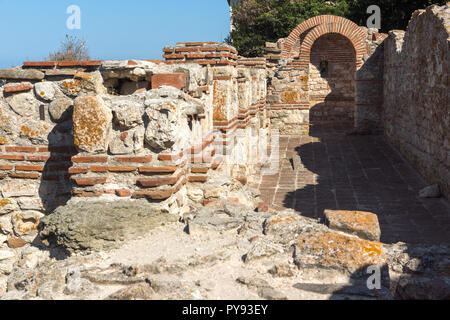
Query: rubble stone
(362, 224)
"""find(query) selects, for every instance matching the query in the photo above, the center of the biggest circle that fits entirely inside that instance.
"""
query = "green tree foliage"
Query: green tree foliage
(258, 21)
(394, 14)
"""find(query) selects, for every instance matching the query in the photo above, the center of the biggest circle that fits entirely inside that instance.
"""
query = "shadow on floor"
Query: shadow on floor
(353, 172)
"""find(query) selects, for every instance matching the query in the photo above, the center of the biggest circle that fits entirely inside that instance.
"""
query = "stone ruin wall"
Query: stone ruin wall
(416, 112)
(161, 130)
(157, 130)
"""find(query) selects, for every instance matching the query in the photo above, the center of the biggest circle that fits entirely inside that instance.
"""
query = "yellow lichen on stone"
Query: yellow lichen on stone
(360, 223)
(5, 122)
(91, 124)
(72, 86)
(290, 97)
(336, 250)
(283, 219)
(33, 133)
(4, 202)
(219, 102)
(25, 224)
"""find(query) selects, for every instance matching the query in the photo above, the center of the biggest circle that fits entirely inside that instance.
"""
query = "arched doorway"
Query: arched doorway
(332, 90)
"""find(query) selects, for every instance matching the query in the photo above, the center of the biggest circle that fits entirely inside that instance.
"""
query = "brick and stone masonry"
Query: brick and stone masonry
(156, 129)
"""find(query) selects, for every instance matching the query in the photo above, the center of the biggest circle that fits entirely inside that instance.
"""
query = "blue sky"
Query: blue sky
(133, 29)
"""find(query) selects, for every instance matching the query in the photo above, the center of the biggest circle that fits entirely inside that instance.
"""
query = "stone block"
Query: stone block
(336, 251)
(362, 224)
(18, 73)
(92, 124)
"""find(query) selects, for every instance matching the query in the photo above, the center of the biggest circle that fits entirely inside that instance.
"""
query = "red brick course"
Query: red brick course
(143, 159)
(90, 181)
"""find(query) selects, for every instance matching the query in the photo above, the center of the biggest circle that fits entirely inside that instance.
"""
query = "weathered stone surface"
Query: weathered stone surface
(122, 143)
(33, 257)
(49, 290)
(45, 90)
(96, 226)
(36, 131)
(8, 121)
(136, 292)
(164, 129)
(24, 104)
(84, 83)
(30, 204)
(282, 271)
(3, 238)
(6, 254)
(263, 248)
(7, 206)
(423, 288)
(18, 73)
(362, 224)
(419, 272)
(263, 288)
(128, 141)
(26, 222)
(61, 72)
(76, 285)
(335, 251)
(195, 194)
(91, 124)
(430, 192)
(6, 227)
(128, 111)
(23, 280)
(113, 276)
(15, 189)
(167, 109)
(71, 87)
(415, 112)
(61, 109)
(346, 291)
(219, 217)
(286, 226)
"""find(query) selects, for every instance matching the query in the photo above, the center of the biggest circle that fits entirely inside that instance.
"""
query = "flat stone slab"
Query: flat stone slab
(359, 223)
(335, 251)
(18, 73)
(96, 226)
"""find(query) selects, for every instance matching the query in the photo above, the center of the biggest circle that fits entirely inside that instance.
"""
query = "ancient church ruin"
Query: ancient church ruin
(160, 130)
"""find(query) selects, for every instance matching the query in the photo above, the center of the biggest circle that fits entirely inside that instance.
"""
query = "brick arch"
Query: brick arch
(290, 44)
(355, 36)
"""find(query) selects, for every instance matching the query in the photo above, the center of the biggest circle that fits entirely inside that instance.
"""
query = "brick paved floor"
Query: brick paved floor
(356, 173)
